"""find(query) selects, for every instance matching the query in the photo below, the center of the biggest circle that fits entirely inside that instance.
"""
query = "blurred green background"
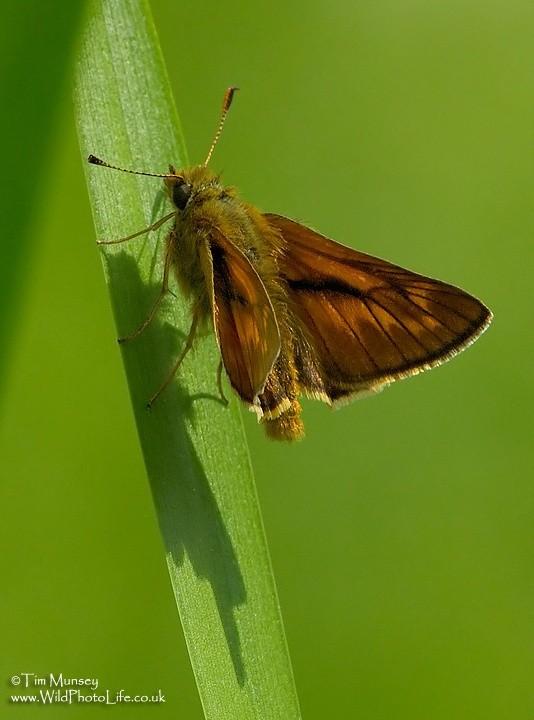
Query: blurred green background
(401, 528)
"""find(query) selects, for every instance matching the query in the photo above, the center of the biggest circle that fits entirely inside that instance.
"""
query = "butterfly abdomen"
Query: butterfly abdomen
(288, 426)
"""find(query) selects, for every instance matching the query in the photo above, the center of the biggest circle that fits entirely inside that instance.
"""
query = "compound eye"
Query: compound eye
(181, 193)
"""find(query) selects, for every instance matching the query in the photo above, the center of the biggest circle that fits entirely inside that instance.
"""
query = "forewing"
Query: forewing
(368, 321)
(243, 316)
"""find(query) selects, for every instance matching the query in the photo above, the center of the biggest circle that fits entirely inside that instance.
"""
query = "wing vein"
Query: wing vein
(394, 343)
(354, 333)
(391, 314)
(437, 302)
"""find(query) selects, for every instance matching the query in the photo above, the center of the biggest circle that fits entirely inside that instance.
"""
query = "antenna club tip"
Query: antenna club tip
(94, 160)
(228, 97)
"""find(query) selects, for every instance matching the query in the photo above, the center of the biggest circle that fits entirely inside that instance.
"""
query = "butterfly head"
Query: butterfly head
(185, 185)
(178, 188)
(191, 186)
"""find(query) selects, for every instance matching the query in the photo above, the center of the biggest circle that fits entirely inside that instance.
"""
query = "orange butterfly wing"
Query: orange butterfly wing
(243, 316)
(369, 322)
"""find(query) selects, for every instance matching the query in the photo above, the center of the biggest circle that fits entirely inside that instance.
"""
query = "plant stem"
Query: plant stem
(194, 448)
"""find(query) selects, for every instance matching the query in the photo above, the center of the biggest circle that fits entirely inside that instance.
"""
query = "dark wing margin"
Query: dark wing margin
(368, 321)
(243, 316)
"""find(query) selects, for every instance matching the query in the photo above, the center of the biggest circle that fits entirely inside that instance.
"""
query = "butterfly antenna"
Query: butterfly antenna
(227, 101)
(97, 161)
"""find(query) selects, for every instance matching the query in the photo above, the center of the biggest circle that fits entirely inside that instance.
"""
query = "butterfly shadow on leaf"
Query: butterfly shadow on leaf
(189, 517)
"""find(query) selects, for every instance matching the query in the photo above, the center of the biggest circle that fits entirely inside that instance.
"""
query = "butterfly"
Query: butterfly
(294, 312)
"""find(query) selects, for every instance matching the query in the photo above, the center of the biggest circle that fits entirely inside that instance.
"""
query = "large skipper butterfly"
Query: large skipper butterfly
(294, 312)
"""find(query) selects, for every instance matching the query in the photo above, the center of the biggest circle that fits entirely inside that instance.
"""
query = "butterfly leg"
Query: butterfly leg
(154, 226)
(186, 349)
(164, 290)
(224, 399)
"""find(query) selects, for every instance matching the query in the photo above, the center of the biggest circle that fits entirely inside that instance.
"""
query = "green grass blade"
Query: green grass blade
(194, 448)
